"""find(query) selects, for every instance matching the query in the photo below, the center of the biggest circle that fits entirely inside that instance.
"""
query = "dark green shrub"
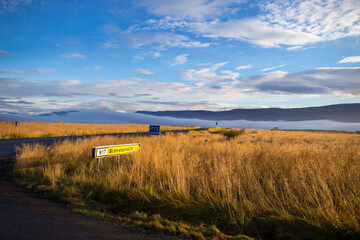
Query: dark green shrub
(233, 133)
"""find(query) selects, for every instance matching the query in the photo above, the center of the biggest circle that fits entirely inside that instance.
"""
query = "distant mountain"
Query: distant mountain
(340, 113)
(111, 117)
(59, 113)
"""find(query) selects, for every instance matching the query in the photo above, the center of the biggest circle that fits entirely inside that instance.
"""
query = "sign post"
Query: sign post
(113, 150)
(98, 165)
(154, 130)
(16, 123)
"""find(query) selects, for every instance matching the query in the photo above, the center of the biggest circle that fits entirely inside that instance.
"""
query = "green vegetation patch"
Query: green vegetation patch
(233, 133)
(229, 133)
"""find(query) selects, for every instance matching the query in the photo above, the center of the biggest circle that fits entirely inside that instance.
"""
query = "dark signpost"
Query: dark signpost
(16, 123)
(154, 130)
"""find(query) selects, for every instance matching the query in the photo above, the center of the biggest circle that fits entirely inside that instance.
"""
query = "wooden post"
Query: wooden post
(98, 166)
(117, 161)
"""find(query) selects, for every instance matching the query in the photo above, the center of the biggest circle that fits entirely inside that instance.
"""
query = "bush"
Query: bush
(234, 133)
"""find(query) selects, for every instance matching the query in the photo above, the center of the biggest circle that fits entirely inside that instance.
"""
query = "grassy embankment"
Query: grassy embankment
(263, 184)
(39, 129)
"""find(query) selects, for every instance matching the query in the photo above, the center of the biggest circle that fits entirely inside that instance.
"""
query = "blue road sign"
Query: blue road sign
(154, 129)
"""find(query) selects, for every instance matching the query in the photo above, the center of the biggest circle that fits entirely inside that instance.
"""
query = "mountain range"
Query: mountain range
(340, 113)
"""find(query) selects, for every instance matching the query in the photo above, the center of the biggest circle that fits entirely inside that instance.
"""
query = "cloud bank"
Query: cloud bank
(201, 89)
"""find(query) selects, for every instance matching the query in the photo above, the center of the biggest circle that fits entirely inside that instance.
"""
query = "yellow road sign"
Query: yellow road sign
(107, 151)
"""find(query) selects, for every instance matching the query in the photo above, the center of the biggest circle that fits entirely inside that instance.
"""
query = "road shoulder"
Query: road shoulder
(31, 215)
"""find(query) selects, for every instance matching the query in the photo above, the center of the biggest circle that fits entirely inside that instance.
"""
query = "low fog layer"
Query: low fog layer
(108, 117)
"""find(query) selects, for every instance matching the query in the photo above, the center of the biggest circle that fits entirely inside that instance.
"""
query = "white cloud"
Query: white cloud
(40, 70)
(180, 59)
(231, 74)
(256, 32)
(155, 54)
(152, 54)
(243, 67)
(70, 82)
(329, 20)
(206, 85)
(12, 5)
(73, 56)
(272, 68)
(144, 72)
(45, 70)
(353, 59)
(130, 88)
(294, 48)
(208, 75)
(158, 40)
(96, 68)
(292, 24)
(161, 40)
(109, 44)
(9, 71)
(329, 68)
(139, 57)
(105, 104)
(192, 9)
(134, 94)
(324, 81)
(167, 23)
(216, 66)
(3, 52)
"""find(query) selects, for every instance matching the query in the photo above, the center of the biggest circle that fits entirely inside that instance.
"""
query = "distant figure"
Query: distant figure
(216, 123)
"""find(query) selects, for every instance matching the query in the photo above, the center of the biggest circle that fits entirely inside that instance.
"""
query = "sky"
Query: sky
(154, 55)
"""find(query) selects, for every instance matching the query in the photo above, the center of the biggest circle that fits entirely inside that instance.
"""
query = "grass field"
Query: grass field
(39, 129)
(258, 183)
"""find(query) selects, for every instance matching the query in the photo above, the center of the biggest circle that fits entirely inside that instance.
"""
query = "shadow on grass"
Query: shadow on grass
(270, 226)
(189, 218)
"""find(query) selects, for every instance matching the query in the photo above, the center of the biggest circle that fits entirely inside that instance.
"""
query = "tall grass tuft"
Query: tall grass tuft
(39, 129)
(266, 184)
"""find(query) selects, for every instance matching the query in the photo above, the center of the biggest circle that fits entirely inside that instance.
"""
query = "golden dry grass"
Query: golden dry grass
(38, 129)
(309, 177)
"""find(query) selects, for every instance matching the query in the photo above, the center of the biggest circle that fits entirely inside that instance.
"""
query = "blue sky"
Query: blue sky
(155, 55)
